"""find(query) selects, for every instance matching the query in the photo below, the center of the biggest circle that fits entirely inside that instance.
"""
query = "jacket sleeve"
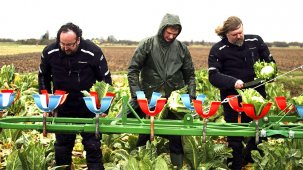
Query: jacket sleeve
(135, 67)
(44, 75)
(215, 75)
(101, 68)
(188, 70)
(264, 51)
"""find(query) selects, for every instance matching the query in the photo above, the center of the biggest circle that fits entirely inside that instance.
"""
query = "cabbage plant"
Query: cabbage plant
(251, 96)
(264, 70)
(298, 100)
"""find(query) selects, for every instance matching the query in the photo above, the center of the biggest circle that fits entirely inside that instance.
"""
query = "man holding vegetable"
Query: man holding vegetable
(231, 64)
(163, 64)
(73, 64)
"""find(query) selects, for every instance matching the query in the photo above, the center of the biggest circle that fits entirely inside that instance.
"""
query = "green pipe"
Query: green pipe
(130, 125)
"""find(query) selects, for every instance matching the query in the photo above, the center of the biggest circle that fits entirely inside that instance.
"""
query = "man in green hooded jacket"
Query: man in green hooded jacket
(162, 64)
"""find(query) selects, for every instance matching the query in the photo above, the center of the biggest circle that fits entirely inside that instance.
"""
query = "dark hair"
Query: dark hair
(176, 27)
(69, 27)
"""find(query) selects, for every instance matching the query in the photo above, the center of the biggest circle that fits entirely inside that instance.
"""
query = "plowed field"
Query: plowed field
(119, 57)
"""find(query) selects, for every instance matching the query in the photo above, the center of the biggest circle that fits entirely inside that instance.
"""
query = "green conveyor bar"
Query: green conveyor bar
(188, 126)
(269, 126)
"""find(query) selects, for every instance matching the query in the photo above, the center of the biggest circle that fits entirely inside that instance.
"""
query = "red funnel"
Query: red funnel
(94, 94)
(110, 94)
(7, 91)
(234, 103)
(214, 106)
(282, 104)
(143, 103)
(249, 109)
(63, 93)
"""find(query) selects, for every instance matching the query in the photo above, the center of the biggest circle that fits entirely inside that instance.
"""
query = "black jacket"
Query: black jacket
(227, 63)
(72, 73)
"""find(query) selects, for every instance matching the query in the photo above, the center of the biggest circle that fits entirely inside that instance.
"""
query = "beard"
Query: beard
(239, 42)
(69, 51)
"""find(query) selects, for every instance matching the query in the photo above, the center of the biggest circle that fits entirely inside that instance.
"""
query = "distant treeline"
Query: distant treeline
(45, 40)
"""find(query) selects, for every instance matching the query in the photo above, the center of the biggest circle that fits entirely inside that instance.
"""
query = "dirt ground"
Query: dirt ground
(118, 58)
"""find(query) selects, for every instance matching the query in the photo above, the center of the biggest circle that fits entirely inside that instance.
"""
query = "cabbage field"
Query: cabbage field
(29, 149)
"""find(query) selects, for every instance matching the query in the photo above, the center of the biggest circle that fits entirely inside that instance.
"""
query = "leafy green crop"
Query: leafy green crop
(264, 70)
(208, 155)
(285, 155)
(175, 103)
(297, 100)
(6, 76)
(251, 96)
(101, 88)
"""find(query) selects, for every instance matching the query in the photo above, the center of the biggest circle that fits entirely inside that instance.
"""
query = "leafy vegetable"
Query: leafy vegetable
(208, 155)
(251, 96)
(101, 88)
(297, 100)
(6, 76)
(264, 70)
(175, 103)
(282, 155)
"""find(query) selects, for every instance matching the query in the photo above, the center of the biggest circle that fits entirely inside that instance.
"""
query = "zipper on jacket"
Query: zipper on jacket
(68, 66)
(77, 72)
(78, 77)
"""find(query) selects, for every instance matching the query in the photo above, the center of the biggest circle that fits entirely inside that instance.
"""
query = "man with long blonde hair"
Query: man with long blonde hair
(230, 65)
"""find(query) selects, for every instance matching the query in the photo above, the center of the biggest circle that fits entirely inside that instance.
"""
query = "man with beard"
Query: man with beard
(230, 64)
(164, 64)
(73, 64)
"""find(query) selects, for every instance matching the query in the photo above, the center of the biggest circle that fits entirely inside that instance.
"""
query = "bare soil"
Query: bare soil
(118, 58)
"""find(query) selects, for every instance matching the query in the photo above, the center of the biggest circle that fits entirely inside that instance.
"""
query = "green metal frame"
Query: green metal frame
(188, 126)
(162, 127)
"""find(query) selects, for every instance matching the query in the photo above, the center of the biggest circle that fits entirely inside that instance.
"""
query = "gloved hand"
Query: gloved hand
(192, 97)
(192, 91)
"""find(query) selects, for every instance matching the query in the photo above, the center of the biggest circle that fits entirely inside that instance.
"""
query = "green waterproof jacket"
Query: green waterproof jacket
(162, 67)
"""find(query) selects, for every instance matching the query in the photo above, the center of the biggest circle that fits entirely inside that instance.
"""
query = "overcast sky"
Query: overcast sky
(278, 20)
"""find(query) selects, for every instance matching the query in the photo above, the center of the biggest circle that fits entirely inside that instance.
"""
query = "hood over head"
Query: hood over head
(168, 20)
